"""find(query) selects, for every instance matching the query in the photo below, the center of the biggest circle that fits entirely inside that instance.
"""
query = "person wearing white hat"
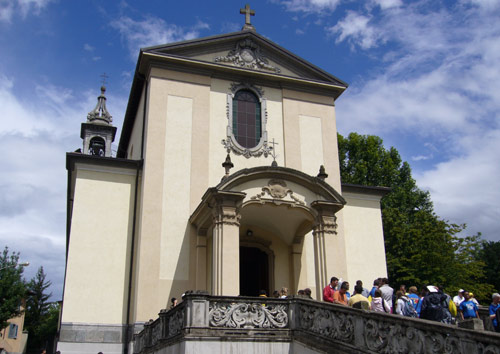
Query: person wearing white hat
(459, 298)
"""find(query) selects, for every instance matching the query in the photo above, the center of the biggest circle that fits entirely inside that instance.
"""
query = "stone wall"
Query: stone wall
(297, 325)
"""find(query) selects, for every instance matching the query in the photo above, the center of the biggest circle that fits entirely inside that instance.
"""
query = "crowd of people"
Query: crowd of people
(431, 303)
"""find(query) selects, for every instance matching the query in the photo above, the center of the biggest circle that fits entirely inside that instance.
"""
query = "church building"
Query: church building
(226, 179)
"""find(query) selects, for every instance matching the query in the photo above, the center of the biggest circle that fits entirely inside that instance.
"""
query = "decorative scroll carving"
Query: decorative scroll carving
(175, 323)
(277, 189)
(247, 54)
(387, 337)
(226, 216)
(156, 333)
(245, 315)
(235, 87)
(326, 224)
(229, 145)
(334, 325)
(327, 323)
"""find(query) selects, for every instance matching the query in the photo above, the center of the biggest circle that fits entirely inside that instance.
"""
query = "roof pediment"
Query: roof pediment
(246, 50)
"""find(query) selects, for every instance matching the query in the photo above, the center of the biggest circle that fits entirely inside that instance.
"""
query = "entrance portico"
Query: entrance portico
(274, 210)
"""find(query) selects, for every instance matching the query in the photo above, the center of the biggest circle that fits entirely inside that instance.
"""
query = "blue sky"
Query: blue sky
(423, 75)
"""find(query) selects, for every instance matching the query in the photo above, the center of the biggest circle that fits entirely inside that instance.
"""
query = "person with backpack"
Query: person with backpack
(404, 306)
(434, 306)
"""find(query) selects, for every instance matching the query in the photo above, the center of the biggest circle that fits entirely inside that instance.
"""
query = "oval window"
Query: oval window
(247, 122)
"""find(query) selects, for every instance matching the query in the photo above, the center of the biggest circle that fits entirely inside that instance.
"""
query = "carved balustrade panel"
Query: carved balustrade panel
(390, 337)
(248, 315)
(336, 326)
(327, 323)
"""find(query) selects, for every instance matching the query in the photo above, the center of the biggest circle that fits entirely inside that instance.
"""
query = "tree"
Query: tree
(12, 287)
(489, 254)
(38, 312)
(420, 247)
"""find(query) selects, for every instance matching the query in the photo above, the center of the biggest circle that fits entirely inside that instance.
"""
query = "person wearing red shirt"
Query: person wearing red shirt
(329, 290)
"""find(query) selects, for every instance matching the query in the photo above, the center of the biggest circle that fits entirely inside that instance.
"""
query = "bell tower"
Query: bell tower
(98, 133)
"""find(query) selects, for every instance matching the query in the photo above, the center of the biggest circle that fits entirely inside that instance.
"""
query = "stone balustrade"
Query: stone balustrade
(317, 326)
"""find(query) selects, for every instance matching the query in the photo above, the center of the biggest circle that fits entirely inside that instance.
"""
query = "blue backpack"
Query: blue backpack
(408, 309)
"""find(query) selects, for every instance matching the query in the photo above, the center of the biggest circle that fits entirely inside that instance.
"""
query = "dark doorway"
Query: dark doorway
(254, 271)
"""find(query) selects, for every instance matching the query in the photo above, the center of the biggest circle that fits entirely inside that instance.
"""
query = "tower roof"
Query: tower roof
(100, 114)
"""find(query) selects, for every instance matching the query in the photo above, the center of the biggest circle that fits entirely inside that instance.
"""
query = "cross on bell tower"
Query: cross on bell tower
(247, 12)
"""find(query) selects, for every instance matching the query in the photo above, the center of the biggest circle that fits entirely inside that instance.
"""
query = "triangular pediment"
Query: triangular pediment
(246, 50)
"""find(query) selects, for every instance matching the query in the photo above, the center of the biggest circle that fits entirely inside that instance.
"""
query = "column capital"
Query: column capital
(226, 207)
(326, 221)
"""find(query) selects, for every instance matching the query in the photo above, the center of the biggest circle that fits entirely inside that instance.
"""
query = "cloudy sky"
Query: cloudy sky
(423, 75)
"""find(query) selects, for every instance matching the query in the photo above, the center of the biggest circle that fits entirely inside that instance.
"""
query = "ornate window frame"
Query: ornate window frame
(230, 143)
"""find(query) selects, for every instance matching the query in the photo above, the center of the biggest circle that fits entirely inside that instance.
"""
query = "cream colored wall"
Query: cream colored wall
(97, 269)
(311, 134)
(174, 179)
(135, 144)
(311, 141)
(186, 122)
(218, 131)
(365, 248)
(14, 345)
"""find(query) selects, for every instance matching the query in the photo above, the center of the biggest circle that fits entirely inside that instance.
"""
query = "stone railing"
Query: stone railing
(324, 327)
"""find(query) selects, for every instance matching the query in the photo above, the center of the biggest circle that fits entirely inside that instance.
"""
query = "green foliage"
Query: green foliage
(41, 315)
(12, 287)
(490, 255)
(420, 248)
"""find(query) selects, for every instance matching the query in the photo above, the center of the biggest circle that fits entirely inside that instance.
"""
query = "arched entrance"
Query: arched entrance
(254, 271)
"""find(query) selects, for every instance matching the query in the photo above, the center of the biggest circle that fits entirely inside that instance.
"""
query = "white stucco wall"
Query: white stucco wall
(97, 270)
(365, 250)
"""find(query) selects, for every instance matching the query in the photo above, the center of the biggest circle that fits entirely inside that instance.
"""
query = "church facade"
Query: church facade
(226, 180)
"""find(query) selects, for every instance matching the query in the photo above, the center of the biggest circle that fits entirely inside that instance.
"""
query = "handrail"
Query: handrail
(323, 326)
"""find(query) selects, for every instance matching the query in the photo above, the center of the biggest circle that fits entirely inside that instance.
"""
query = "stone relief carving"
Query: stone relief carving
(327, 323)
(386, 337)
(156, 333)
(326, 224)
(368, 331)
(175, 323)
(230, 146)
(226, 216)
(277, 189)
(247, 54)
(245, 315)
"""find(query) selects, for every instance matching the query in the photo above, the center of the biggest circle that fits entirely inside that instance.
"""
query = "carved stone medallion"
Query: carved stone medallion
(247, 54)
(277, 189)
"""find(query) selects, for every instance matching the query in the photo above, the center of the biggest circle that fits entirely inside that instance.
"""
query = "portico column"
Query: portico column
(325, 225)
(226, 243)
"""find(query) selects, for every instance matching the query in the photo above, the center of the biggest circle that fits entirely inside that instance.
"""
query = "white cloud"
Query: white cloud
(388, 4)
(438, 82)
(355, 28)
(88, 47)
(421, 157)
(153, 31)
(33, 177)
(309, 6)
(9, 8)
(465, 189)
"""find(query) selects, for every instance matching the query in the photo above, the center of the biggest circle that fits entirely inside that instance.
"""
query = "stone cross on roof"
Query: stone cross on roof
(247, 12)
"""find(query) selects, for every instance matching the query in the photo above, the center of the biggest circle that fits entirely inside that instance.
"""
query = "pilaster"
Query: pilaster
(226, 243)
(325, 225)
